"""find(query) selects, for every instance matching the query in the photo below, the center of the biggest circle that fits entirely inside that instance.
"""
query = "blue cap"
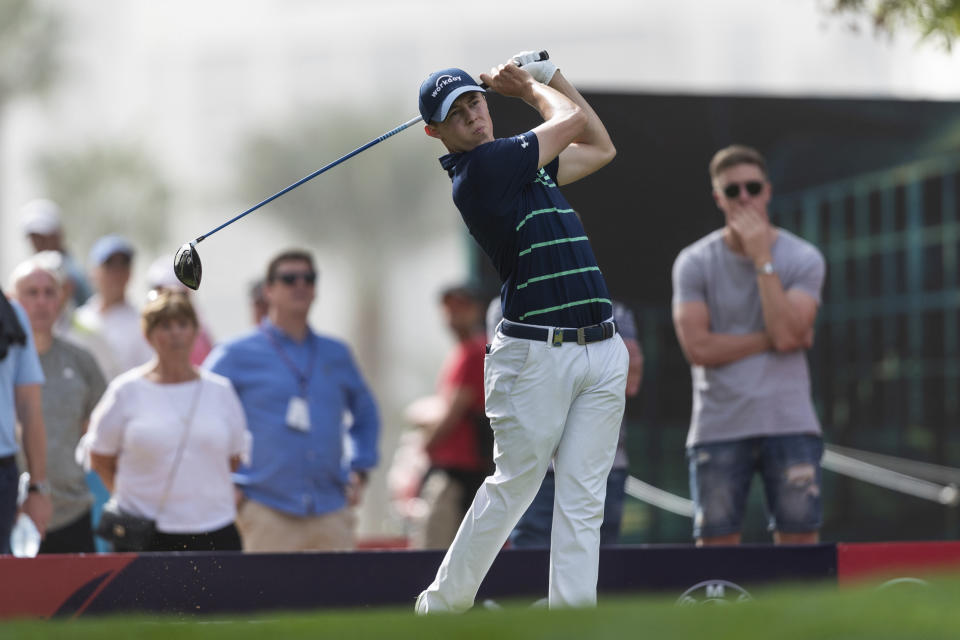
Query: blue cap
(107, 246)
(439, 91)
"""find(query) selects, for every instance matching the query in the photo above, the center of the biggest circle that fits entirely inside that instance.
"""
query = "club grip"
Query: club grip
(542, 55)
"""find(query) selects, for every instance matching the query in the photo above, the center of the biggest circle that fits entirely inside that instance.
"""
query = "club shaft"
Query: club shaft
(313, 175)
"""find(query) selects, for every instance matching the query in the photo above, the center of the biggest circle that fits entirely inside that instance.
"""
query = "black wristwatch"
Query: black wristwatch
(39, 487)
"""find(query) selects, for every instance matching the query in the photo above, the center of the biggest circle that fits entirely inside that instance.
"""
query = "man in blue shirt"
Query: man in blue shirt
(304, 397)
(555, 373)
(21, 379)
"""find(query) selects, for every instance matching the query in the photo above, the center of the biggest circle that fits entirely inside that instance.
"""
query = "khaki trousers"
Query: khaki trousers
(443, 496)
(264, 529)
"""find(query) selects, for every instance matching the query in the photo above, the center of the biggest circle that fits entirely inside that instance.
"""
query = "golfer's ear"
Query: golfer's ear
(431, 131)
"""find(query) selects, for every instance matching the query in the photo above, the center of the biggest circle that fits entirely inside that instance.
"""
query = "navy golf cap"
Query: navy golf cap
(439, 91)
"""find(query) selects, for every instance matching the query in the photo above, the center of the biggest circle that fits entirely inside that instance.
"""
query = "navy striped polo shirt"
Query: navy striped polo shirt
(532, 235)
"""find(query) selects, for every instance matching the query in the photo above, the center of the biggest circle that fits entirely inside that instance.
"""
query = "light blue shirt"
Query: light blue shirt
(302, 472)
(20, 367)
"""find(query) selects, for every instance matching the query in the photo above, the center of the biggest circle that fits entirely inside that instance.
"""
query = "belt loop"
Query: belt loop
(549, 336)
(581, 336)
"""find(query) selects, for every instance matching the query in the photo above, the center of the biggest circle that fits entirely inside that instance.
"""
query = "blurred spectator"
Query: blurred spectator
(20, 401)
(534, 527)
(304, 399)
(161, 277)
(745, 298)
(42, 225)
(166, 415)
(73, 385)
(456, 432)
(107, 314)
(258, 303)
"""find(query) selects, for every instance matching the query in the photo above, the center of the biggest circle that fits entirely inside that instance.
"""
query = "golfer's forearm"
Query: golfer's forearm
(594, 133)
(552, 105)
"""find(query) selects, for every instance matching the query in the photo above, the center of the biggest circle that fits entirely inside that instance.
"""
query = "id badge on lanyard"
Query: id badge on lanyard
(298, 409)
(298, 414)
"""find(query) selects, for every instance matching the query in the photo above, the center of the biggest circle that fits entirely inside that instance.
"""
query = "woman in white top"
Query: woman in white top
(166, 436)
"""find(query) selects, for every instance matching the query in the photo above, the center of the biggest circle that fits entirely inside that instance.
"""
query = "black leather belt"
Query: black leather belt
(583, 335)
(8, 461)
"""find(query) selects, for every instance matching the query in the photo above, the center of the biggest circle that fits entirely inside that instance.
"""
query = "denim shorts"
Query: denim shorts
(721, 472)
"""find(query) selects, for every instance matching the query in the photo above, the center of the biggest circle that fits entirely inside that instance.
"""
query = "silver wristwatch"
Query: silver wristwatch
(766, 269)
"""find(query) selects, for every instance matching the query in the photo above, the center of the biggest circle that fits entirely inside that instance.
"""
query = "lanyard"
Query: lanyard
(303, 377)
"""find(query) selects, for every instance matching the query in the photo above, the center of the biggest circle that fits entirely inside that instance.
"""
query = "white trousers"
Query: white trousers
(544, 402)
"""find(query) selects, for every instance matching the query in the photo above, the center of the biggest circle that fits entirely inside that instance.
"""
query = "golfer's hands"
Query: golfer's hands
(509, 80)
(541, 70)
(754, 232)
(39, 507)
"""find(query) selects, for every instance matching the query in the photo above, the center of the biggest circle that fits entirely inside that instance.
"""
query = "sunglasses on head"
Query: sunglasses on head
(290, 279)
(753, 187)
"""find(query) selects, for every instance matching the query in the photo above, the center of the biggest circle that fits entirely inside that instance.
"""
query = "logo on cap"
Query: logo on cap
(443, 81)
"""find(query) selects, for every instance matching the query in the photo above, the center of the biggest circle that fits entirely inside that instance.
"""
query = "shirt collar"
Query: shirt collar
(449, 162)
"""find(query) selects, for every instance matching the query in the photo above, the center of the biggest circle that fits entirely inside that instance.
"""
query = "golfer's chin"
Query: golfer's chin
(473, 143)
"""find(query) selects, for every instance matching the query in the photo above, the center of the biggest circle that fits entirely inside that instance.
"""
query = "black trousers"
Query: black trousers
(224, 539)
(76, 537)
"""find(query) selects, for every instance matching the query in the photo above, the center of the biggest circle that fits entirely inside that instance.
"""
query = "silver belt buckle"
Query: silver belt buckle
(581, 336)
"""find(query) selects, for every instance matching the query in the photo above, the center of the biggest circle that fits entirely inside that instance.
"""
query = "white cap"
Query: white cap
(161, 275)
(40, 216)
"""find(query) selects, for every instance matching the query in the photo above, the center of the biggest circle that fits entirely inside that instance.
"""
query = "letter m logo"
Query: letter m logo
(715, 591)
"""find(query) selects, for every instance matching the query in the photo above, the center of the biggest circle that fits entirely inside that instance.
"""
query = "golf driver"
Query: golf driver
(186, 262)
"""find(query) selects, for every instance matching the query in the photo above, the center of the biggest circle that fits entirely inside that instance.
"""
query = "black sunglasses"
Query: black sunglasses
(290, 279)
(753, 187)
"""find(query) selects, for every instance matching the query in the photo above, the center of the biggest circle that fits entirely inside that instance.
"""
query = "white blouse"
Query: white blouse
(142, 423)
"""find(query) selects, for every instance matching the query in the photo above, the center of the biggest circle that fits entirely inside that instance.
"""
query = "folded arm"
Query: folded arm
(702, 347)
(787, 315)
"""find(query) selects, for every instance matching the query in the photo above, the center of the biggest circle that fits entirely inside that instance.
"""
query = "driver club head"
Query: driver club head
(186, 265)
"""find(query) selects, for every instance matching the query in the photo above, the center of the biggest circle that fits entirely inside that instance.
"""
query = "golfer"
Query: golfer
(555, 373)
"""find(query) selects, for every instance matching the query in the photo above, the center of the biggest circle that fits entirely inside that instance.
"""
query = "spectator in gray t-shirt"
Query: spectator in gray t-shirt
(745, 298)
(73, 385)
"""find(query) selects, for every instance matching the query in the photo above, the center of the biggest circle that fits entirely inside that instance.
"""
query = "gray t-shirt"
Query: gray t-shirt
(73, 387)
(766, 393)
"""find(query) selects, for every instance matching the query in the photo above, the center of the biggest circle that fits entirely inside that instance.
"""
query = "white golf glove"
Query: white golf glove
(541, 70)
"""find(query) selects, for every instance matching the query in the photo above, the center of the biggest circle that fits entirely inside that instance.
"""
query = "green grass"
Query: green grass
(802, 613)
